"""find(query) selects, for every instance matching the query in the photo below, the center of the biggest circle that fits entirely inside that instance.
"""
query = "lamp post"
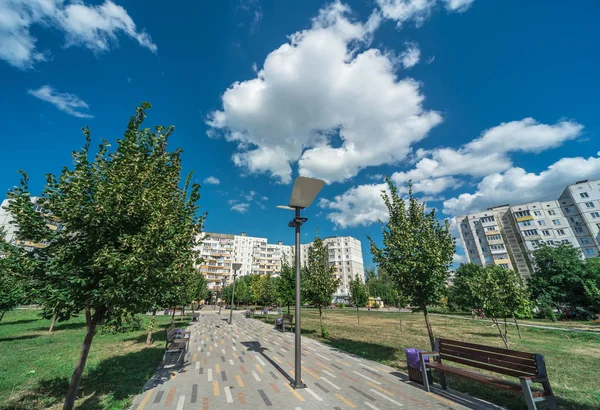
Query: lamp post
(221, 297)
(303, 194)
(236, 266)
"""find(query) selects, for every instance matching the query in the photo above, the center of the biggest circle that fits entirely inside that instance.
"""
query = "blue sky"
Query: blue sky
(478, 102)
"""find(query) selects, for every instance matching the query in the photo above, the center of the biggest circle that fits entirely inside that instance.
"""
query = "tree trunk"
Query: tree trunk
(400, 322)
(53, 322)
(173, 315)
(83, 355)
(505, 332)
(2, 315)
(321, 319)
(500, 331)
(429, 330)
(149, 338)
(517, 324)
(357, 316)
(182, 310)
(288, 308)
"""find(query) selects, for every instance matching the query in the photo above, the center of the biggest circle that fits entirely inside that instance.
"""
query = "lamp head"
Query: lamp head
(236, 266)
(305, 191)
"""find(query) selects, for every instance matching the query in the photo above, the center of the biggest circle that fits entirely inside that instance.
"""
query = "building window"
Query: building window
(531, 232)
(504, 266)
(552, 212)
(598, 226)
(496, 247)
(546, 233)
(556, 221)
(522, 213)
(560, 231)
(537, 213)
(565, 241)
(569, 209)
(595, 214)
(590, 251)
(487, 219)
(542, 223)
(471, 251)
(578, 229)
(589, 204)
(525, 223)
(584, 195)
(585, 241)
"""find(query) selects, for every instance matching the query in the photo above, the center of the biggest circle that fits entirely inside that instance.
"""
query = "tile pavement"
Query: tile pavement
(250, 365)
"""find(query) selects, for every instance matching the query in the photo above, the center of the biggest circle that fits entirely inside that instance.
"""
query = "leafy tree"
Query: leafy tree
(254, 289)
(268, 290)
(592, 283)
(359, 295)
(286, 285)
(461, 293)
(383, 289)
(227, 292)
(11, 291)
(242, 294)
(559, 278)
(417, 251)
(129, 228)
(370, 274)
(502, 293)
(320, 279)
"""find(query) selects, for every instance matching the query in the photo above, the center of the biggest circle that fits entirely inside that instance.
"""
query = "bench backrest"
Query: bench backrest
(171, 330)
(287, 318)
(495, 359)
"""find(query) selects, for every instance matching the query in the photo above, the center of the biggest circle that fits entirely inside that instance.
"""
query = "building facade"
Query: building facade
(507, 235)
(258, 256)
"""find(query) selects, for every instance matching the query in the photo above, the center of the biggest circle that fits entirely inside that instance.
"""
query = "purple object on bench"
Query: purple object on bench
(412, 357)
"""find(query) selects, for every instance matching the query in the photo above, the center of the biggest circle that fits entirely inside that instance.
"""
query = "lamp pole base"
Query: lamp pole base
(296, 386)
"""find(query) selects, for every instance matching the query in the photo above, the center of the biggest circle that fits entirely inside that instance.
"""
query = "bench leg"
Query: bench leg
(424, 374)
(549, 395)
(526, 386)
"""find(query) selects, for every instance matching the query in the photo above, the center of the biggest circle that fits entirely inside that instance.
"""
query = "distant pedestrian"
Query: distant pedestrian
(472, 314)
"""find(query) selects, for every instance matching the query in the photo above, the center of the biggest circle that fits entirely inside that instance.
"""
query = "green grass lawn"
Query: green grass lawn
(572, 359)
(35, 367)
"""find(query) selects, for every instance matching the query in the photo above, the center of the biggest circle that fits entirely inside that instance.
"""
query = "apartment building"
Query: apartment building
(258, 256)
(507, 235)
(9, 229)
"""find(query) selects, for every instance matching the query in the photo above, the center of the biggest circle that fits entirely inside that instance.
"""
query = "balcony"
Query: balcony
(525, 218)
(494, 232)
(502, 261)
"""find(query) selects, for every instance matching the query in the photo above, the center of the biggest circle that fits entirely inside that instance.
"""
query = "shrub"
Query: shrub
(324, 332)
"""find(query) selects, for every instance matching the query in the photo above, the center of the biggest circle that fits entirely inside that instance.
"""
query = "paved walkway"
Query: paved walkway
(250, 365)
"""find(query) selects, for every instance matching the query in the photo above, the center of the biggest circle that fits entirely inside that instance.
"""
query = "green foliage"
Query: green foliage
(384, 289)
(324, 332)
(126, 322)
(268, 291)
(359, 293)
(320, 279)
(197, 288)
(129, 228)
(563, 280)
(461, 292)
(11, 290)
(417, 250)
(286, 285)
(370, 274)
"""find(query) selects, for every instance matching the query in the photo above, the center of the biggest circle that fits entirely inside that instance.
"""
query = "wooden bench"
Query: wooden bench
(527, 367)
(173, 343)
(285, 319)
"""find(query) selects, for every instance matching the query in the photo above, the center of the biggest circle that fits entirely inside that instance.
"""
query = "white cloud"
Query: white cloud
(436, 170)
(241, 208)
(316, 90)
(264, 198)
(94, 27)
(68, 103)
(212, 180)
(403, 11)
(411, 55)
(488, 153)
(458, 6)
(457, 259)
(516, 186)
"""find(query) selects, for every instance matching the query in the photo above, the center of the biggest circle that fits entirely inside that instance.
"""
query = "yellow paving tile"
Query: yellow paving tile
(239, 381)
(216, 390)
(195, 357)
(311, 373)
(218, 368)
(345, 400)
(260, 370)
(344, 363)
(145, 400)
(294, 392)
(210, 348)
(380, 389)
(325, 367)
(277, 359)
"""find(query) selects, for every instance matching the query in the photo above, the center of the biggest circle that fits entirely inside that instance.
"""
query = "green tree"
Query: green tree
(370, 274)
(242, 294)
(461, 293)
(417, 251)
(558, 278)
(359, 295)
(320, 281)
(502, 294)
(129, 228)
(268, 290)
(11, 291)
(255, 289)
(286, 285)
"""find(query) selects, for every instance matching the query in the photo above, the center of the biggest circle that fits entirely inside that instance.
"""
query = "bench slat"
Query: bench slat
(485, 379)
(497, 360)
(508, 372)
(506, 352)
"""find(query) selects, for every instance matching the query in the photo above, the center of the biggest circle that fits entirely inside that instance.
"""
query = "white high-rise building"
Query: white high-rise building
(257, 256)
(507, 235)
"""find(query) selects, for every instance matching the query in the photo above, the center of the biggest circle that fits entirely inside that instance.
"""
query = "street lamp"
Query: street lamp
(236, 266)
(303, 194)
(221, 297)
